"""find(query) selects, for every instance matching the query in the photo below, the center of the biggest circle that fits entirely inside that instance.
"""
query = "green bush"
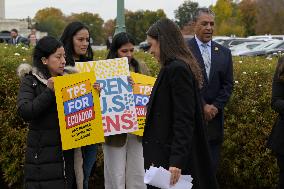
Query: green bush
(12, 128)
(246, 162)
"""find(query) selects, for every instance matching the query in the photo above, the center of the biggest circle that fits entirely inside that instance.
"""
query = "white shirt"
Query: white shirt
(199, 43)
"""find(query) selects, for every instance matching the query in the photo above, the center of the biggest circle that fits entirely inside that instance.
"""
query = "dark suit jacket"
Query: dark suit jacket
(174, 133)
(276, 138)
(217, 89)
(20, 39)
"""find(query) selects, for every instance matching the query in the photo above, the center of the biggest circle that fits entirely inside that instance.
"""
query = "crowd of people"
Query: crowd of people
(185, 114)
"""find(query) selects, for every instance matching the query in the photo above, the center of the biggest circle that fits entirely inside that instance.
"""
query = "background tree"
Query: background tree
(223, 10)
(230, 27)
(185, 12)
(269, 17)
(137, 23)
(108, 28)
(95, 24)
(50, 20)
(227, 18)
(131, 21)
(248, 11)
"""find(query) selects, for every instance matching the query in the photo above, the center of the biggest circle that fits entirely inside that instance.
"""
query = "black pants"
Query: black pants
(280, 163)
(69, 169)
(215, 152)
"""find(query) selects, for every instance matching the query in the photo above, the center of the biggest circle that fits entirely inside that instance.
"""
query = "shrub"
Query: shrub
(246, 162)
(12, 128)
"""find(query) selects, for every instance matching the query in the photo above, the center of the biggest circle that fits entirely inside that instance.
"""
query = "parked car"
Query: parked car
(267, 37)
(275, 52)
(266, 48)
(220, 39)
(144, 46)
(4, 36)
(236, 41)
(270, 53)
(244, 47)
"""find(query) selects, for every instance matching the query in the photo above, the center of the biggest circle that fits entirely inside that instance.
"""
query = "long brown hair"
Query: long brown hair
(172, 45)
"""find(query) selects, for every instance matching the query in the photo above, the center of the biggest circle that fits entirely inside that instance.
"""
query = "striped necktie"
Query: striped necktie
(206, 58)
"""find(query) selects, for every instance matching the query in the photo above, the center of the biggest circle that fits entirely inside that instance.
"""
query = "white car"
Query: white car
(267, 37)
(220, 39)
(247, 46)
(264, 48)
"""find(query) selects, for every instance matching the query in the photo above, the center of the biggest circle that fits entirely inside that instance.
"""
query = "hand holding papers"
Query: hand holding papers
(160, 177)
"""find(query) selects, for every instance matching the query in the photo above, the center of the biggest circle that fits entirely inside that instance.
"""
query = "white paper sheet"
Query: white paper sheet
(160, 177)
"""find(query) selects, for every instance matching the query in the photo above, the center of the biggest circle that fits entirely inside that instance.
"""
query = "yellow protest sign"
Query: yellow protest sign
(142, 90)
(79, 111)
(117, 99)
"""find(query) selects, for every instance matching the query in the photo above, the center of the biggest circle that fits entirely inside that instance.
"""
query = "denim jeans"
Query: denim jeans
(89, 154)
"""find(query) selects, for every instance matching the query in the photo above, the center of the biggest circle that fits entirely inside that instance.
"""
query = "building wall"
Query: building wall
(20, 25)
(2, 9)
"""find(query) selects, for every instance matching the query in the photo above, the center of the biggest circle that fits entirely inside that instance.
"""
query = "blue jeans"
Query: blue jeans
(89, 154)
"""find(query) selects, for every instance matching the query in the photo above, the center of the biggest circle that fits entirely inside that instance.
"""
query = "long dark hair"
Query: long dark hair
(279, 72)
(67, 40)
(119, 40)
(172, 45)
(43, 49)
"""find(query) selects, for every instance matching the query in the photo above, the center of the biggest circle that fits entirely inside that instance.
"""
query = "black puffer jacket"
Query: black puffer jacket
(44, 162)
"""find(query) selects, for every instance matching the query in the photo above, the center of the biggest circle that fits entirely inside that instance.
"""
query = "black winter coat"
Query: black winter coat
(44, 164)
(276, 138)
(174, 134)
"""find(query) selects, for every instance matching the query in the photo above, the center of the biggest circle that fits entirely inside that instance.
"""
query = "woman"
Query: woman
(123, 158)
(44, 162)
(276, 139)
(174, 135)
(76, 41)
(32, 40)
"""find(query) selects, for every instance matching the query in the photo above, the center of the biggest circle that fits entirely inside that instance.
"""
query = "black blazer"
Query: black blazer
(276, 138)
(217, 89)
(174, 131)
(19, 40)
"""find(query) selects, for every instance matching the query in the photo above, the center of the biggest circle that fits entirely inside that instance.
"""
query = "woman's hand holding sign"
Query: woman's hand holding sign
(130, 80)
(50, 83)
(97, 87)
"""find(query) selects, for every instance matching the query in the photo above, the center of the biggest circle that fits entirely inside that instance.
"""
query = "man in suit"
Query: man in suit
(217, 68)
(16, 38)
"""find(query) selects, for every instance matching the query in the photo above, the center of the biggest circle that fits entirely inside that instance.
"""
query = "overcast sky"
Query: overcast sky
(105, 8)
